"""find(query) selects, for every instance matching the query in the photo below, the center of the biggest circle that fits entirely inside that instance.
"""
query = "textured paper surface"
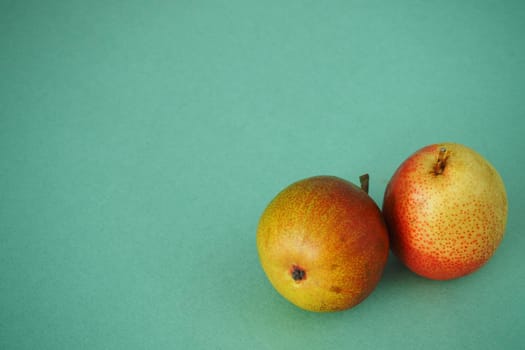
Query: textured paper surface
(140, 141)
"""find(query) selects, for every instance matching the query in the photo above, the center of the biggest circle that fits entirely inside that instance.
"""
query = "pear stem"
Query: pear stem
(439, 167)
(364, 180)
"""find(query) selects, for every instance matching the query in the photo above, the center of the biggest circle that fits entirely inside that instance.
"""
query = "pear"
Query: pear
(323, 243)
(446, 211)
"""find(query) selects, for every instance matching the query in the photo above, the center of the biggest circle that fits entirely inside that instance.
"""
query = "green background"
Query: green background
(141, 140)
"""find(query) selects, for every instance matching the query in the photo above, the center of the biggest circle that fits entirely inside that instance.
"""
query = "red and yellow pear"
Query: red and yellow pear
(446, 211)
(323, 244)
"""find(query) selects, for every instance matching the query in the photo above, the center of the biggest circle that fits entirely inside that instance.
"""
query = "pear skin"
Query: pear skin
(323, 243)
(446, 211)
